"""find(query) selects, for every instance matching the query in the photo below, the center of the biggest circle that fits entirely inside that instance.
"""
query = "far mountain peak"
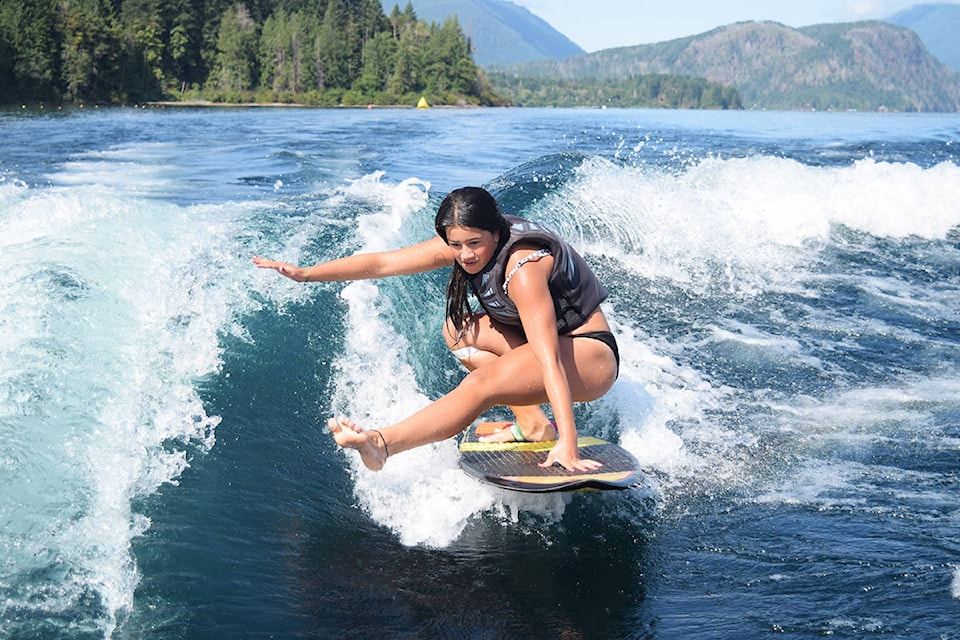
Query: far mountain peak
(501, 32)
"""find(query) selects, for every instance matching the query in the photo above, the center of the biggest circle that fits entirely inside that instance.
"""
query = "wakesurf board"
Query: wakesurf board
(516, 465)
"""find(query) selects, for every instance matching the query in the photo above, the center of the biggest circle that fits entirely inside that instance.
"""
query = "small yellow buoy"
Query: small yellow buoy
(422, 104)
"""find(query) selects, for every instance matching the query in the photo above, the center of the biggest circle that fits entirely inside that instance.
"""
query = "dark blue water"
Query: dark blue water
(784, 287)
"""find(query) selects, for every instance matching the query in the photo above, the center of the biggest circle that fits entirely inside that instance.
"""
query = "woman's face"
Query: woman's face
(473, 247)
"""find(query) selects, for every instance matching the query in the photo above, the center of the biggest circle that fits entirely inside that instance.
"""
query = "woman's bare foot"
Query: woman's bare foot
(369, 442)
(513, 433)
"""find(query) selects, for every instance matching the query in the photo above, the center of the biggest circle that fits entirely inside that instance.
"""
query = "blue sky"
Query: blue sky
(601, 24)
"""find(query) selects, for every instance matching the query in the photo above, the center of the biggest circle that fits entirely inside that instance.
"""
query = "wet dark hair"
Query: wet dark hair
(475, 208)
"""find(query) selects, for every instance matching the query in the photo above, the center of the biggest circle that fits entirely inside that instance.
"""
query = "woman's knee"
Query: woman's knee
(477, 384)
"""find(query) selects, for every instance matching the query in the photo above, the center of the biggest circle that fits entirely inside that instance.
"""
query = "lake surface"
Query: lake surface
(785, 289)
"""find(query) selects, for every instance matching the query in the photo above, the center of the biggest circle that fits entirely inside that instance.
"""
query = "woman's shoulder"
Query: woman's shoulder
(527, 251)
(530, 254)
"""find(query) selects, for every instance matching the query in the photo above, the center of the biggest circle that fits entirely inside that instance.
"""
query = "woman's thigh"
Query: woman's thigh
(484, 334)
(517, 378)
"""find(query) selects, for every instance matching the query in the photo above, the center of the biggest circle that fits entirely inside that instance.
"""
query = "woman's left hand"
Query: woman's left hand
(566, 455)
(298, 274)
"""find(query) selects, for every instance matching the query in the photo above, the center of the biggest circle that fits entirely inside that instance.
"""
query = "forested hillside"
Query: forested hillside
(325, 52)
(862, 65)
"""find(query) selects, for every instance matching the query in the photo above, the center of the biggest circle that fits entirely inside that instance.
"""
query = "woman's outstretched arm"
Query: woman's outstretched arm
(417, 258)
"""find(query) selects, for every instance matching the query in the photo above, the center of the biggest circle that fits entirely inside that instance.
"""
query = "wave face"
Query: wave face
(783, 287)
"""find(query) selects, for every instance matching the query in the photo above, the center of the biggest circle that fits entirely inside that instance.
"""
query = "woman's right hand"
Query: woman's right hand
(567, 456)
(283, 268)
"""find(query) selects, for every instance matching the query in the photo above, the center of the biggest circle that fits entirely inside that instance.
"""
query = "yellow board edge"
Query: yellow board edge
(584, 441)
(549, 480)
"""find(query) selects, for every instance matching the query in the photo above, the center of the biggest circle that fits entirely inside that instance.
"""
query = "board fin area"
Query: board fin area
(516, 465)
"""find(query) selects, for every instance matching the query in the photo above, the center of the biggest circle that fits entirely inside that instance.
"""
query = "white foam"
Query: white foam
(851, 420)
(906, 406)
(751, 346)
(744, 224)
(112, 307)
(141, 169)
(375, 385)
(820, 483)
(652, 392)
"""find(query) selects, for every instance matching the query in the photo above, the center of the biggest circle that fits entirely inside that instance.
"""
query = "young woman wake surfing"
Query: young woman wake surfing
(540, 336)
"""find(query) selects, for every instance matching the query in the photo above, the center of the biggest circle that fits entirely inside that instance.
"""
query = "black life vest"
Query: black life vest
(575, 289)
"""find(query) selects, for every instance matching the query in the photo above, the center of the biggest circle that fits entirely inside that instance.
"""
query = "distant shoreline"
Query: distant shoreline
(209, 103)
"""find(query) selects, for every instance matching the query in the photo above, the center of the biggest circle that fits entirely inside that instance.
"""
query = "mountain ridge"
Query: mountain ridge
(938, 26)
(869, 65)
(500, 32)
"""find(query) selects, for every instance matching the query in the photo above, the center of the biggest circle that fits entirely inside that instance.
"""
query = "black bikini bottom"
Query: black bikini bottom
(606, 338)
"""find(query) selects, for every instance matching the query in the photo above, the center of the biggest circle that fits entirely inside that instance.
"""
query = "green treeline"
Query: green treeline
(320, 52)
(641, 91)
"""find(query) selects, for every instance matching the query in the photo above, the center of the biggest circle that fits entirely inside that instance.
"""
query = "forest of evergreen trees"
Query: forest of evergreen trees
(320, 52)
(638, 91)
